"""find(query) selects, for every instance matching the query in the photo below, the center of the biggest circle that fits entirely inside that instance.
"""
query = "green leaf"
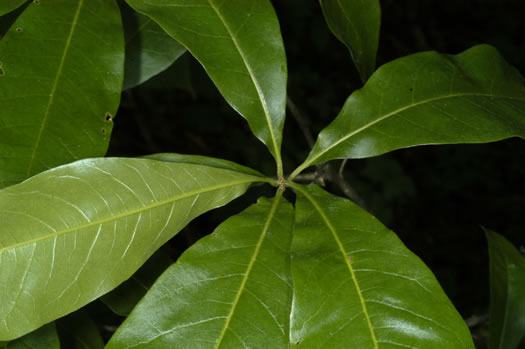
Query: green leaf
(123, 299)
(73, 233)
(60, 84)
(427, 98)
(7, 6)
(357, 286)
(149, 50)
(45, 337)
(356, 24)
(507, 293)
(203, 160)
(239, 44)
(79, 331)
(231, 289)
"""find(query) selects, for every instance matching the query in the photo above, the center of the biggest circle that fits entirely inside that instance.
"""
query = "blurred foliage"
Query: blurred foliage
(434, 198)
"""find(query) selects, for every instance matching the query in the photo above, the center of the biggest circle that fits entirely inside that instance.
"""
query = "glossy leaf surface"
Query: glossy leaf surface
(428, 98)
(45, 337)
(239, 44)
(232, 289)
(75, 232)
(507, 293)
(60, 82)
(356, 24)
(123, 299)
(357, 286)
(149, 49)
(7, 6)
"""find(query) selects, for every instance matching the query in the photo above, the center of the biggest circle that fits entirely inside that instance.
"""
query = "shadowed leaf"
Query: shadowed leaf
(507, 293)
(149, 50)
(45, 337)
(356, 24)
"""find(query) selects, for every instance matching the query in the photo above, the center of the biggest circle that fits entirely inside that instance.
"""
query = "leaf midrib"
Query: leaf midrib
(54, 87)
(253, 258)
(130, 213)
(255, 84)
(343, 252)
(311, 160)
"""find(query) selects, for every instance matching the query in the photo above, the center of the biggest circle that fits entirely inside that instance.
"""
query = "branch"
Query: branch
(324, 172)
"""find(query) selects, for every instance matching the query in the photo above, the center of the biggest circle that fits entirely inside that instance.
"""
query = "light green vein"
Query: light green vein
(53, 89)
(135, 211)
(344, 256)
(242, 287)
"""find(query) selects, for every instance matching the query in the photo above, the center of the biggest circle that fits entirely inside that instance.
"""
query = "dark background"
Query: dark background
(436, 198)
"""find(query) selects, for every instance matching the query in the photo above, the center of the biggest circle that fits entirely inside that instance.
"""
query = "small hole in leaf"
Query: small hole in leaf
(411, 89)
(2, 72)
(109, 117)
(103, 131)
(19, 30)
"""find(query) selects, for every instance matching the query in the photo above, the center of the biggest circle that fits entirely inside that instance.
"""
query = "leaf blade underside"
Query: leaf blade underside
(75, 232)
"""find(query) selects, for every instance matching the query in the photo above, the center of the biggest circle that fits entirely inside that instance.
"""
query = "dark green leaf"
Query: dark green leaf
(79, 331)
(356, 24)
(203, 160)
(232, 289)
(149, 50)
(507, 293)
(357, 286)
(73, 233)
(427, 98)
(44, 338)
(239, 44)
(123, 299)
(7, 6)
(61, 67)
